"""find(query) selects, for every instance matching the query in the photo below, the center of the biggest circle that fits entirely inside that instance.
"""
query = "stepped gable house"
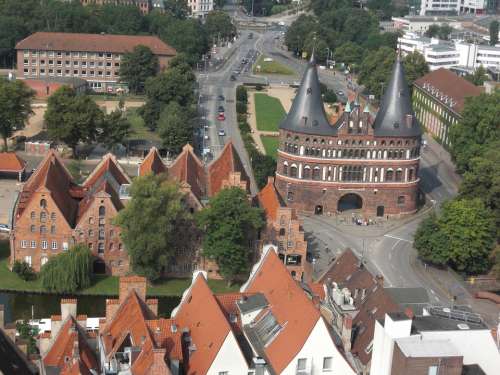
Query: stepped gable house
(358, 162)
(53, 213)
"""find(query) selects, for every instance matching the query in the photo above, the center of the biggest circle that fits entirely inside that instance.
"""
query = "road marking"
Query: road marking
(433, 292)
(397, 238)
(395, 244)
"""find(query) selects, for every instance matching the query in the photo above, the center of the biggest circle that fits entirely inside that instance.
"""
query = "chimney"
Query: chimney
(68, 307)
(270, 180)
(159, 357)
(347, 332)
(129, 283)
(55, 324)
(153, 305)
(2, 317)
(409, 313)
(111, 308)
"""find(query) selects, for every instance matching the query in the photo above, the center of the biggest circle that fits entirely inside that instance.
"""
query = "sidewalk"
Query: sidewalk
(444, 156)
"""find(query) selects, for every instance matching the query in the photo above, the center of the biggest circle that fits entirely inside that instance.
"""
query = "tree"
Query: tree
(15, 107)
(177, 84)
(415, 67)
(115, 130)
(463, 236)
(376, 70)
(263, 166)
(28, 333)
(69, 271)
(154, 225)
(348, 53)
(494, 32)
(298, 31)
(72, 118)
(218, 25)
(241, 94)
(440, 32)
(478, 77)
(477, 129)
(23, 270)
(137, 66)
(175, 127)
(230, 224)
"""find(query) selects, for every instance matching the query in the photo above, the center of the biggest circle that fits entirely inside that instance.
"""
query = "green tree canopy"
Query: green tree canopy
(137, 66)
(376, 69)
(348, 53)
(218, 24)
(478, 77)
(478, 128)
(415, 67)
(72, 118)
(69, 271)
(439, 31)
(176, 127)
(15, 107)
(463, 236)
(177, 84)
(155, 225)
(115, 129)
(230, 224)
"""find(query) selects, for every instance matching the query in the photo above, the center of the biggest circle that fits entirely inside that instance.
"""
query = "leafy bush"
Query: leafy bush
(68, 271)
(24, 270)
(244, 127)
(241, 94)
(241, 107)
(259, 87)
(241, 117)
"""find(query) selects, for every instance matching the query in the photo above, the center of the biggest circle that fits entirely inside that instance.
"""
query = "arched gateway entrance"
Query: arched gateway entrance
(349, 201)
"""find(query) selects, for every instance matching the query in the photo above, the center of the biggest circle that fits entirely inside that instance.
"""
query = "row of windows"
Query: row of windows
(101, 233)
(69, 63)
(92, 55)
(350, 173)
(43, 229)
(352, 153)
(44, 244)
(101, 247)
(59, 72)
(354, 142)
(43, 216)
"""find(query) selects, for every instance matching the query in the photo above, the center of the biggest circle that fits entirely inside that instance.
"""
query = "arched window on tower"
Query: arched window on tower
(293, 171)
(389, 175)
(399, 175)
(316, 173)
(285, 169)
(307, 173)
(410, 174)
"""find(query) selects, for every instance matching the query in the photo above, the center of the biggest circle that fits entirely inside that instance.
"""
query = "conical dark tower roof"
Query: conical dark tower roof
(393, 118)
(307, 114)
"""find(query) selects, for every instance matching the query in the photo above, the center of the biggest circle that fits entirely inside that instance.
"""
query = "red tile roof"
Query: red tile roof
(75, 367)
(269, 200)
(150, 361)
(163, 337)
(107, 167)
(290, 306)
(10, 162)
(189, 169)
(208, 327)
(48, 41)
(71, 335)
(152, 163)
(129, 319)
(52, 176)
(220, 170)
(450, 84)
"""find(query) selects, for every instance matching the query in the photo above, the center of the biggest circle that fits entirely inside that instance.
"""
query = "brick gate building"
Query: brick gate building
(362, 161)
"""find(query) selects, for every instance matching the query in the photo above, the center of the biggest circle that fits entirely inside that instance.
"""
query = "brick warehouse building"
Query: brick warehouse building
(95, 58)
(360, 162)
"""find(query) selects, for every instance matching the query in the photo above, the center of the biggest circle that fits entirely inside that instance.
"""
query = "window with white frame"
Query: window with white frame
(45, 244)
(33, 244)
(27, 259)
(327, 364)
(301, 365)
(24, 244)
(54, 245)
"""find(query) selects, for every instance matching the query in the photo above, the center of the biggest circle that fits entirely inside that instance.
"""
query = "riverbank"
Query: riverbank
(102, 285)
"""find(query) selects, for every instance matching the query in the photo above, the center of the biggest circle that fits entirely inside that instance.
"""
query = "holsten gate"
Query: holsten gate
(361, 161)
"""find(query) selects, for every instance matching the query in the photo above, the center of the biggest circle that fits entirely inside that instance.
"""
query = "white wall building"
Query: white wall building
(448, 54)
(447, 7)
(200, 8)
(440, 335)
(420, 24)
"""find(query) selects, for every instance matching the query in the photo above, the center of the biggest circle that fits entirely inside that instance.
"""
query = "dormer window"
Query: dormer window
(43, 203)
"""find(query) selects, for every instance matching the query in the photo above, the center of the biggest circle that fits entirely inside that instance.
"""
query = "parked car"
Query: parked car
(221, 109)
(206, 137)
(221, 117)
(4, 228)
(221, 98)
(222, 133)
(340, 93)
(232, 78)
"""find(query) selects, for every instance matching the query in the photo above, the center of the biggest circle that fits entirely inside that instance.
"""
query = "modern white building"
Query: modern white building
(449, 54)
(200, 8)
(449, 7)
(443, 338)
(420, 24)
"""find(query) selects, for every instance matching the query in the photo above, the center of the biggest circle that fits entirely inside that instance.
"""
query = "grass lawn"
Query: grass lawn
(270, 145)
(101, 285)
(271, 67)
(269, 112)
(140, 131)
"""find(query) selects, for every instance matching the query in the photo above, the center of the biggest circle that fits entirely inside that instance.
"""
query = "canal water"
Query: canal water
(26, 305)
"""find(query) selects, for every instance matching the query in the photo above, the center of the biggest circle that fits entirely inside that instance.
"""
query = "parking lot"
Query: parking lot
(8, 193)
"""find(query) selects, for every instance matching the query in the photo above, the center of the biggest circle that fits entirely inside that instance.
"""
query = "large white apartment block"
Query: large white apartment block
(200, 8)
(448, 54)
(449, 7)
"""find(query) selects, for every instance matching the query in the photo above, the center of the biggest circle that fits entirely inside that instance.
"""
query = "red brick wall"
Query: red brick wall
(402, 365)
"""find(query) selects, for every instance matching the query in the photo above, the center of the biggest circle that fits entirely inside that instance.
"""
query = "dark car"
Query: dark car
(221, 98)
(221, 109)
(233, 77)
